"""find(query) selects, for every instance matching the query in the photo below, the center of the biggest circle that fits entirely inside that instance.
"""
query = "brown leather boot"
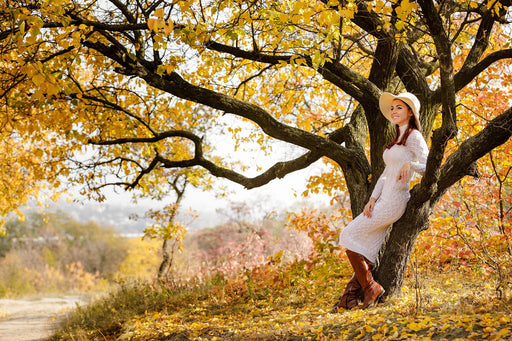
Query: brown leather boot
(371, 289)
(349, 299)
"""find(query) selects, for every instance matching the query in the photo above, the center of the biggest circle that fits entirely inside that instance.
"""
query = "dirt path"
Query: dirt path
(32, 319)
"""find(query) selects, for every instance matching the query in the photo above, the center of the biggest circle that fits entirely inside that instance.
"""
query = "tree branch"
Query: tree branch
(256, 56)
(143, 172)
(124, 9)
(467, 74)
(119, 108)
(158, 137)
(338, 74)
(279, 170)
(463, 161)
(448, 127)
(101, 26)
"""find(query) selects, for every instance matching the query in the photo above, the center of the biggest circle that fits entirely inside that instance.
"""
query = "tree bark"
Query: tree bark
(168, 249)
(166, 263)
(396, 250)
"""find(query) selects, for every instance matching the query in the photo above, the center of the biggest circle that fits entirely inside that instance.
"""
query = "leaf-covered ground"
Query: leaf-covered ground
(293, 324)
(294, 305)
(284, 320)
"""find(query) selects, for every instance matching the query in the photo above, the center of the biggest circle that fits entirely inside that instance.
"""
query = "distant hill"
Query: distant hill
(119, 214)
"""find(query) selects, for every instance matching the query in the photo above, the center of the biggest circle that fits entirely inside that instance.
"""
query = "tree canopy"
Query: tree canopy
(143, 87)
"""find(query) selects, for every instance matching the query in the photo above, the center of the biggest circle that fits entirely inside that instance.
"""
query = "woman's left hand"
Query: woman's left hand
(403, 174)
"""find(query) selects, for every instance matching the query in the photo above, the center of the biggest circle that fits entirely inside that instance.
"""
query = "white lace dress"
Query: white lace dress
(365, 235)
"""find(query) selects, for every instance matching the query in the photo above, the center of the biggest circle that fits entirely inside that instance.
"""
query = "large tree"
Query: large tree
(147, 84)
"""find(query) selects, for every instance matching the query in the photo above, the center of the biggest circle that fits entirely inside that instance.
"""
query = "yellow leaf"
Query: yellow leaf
(38, 79)
(151, 24)
(504, 320)
(503, 332)
(159, 13)
(168, 28)
(298, 5)
(316, 59)
(414, 326)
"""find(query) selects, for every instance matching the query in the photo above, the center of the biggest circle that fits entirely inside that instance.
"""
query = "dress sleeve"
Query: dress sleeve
(417, 145)
(378, 187)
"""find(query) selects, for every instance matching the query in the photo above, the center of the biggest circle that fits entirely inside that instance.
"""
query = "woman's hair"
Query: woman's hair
(412, 125)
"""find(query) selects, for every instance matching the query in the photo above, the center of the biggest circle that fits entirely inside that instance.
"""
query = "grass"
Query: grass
(105, 317)
(293, 305)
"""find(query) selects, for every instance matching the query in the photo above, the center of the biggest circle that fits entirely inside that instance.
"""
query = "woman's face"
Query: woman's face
(400, 112)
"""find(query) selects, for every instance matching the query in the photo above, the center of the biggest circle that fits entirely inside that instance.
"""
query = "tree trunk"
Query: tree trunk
(396, 250)
(166, 260)
(178, 184)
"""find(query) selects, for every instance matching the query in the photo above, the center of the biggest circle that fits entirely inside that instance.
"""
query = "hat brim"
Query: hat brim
(386, 100)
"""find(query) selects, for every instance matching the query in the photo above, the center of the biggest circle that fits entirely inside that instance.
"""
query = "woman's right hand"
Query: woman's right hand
(368, 209)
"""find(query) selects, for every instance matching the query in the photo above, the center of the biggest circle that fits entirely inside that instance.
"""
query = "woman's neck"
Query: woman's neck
(402, 129)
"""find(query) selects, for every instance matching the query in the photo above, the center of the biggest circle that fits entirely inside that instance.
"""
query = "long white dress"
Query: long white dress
(365, 235)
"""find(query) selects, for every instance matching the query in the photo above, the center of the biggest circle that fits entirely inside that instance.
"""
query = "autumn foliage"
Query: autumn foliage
(52, 253)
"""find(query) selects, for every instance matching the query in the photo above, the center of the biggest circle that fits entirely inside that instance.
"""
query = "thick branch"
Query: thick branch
(353, 134)
(249, 55)
(279, 170)
(466, 75)
(384, 62)
(124, 9)
(462, 161)
(158, 137)
(409, 70)
(448, 127)
(362, 85)
(343, 77)
(481, 41)
(100, 26)
(368, 21)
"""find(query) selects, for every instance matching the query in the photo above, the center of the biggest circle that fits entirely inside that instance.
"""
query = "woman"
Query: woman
(364, 236)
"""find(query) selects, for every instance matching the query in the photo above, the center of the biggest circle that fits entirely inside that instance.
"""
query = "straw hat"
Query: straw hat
(386, 99)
